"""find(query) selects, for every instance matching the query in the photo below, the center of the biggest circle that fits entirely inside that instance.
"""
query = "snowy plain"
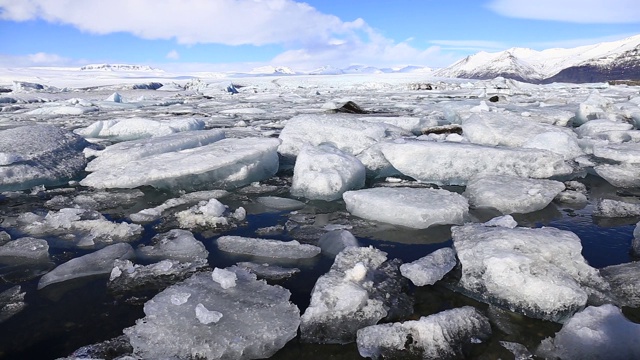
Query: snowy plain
(105, 221)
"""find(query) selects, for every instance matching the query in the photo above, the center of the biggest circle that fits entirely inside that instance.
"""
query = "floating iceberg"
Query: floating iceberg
(414, 208)
(625, 282)
(269, 272)
(345, 132)
(11, 302)
(611, 208)
(267, 248)
(175, 244)
(431, 268)
(227, 163)
(254, 320)
(511, 194)
(209, 213)
(325, 173)
(595, 333)
(127, 276)
(124, 129)
(26, 249)
(124, 152)
(623, 175)
(538, 272)
(85, 228)
(457, 163)
(96, 263)
(360, 289)
(445, 335)
(152, 214)
(39, 155)
(335, 241)
(280, 203)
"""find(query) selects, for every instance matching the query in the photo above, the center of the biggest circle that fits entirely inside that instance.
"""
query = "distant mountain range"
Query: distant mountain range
(616, 60)
(118, 67)
(607, 61)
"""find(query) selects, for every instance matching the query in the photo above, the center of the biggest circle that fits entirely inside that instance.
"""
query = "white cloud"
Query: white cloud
(576, 11)
(230, 22)
(173, 55)
(37, 59)
(470, 44)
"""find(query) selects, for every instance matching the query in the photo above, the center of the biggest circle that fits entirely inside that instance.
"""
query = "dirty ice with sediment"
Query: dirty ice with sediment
(371, 215)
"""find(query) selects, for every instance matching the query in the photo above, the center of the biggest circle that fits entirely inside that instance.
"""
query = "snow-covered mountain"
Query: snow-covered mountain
(273, 70)
(118, 67)
(591, 63)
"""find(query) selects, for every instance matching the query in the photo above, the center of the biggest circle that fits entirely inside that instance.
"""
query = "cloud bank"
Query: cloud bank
(576, 11)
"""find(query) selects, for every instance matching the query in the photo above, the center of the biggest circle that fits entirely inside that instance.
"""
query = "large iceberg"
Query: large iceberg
(512, 130)
(124, 152)
(456, 163)
(445, 335)
(228, 316)
(538, 272)
(360, 289)
(595, 333)
(124, 129)
(512, 194)
(345, 132)
(96, 263)
(39, 155)
(325, 173)
(227, 163)
(411, 207)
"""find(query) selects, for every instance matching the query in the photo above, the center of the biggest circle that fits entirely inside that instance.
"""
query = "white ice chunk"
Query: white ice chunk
(280, 203)
(123, 129)
(255, 320)
(206, 213)
(86, 227)
(511, 194)
(115, 97)
(513, 130)
(457, 163)
(267, 248)
(538, 272)
(445, 335)
(561, 143)
(26, 249)
(175, 244)
(408, 123)
(616, 208)
(624, 175)
(11, 302)
(39, 155)
(345, 132)
(206, 316)
(96, 263)
(226, 163)
(600, 332)
(55, 109)
(431, 268)
(360, 289)
(506, 221)
(125, 276)
(410, 207)
(124, 152)
(625, 153)
(325, 173)
(335, 241)
(596, 127)
(151, 214)
(592, 108)
(226, 279)
(625, 282)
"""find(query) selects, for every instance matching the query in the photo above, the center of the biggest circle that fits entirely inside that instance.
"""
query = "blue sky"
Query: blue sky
(212, 35)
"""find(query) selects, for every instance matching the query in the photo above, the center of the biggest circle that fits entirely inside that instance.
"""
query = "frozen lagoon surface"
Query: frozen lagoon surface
(226, 163)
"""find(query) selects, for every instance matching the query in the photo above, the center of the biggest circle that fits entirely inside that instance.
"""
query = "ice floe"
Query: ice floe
(414, 208)
(39, 155)
(122, 129)
(511, 194)
(325, 173)
(127, 277)
(431, 268)
(360, 289)
(11, 302)
(254, 320)
(446, 335)
(151, 214)
(538, 272)
(595, 333)
(625, 282)
(227, 163)
(267, 248)
(175, 244)
(99, 262)
(456, 163)
(611, 208)
(26, 249)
